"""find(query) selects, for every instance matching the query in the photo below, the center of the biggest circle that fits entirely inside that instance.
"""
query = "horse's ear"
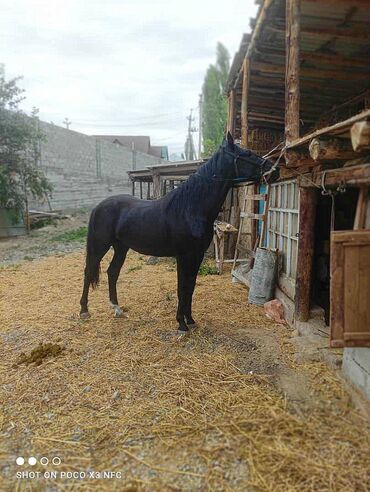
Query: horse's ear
(230, 139)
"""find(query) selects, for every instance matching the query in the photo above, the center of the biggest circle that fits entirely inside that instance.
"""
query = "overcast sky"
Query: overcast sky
(117, 66)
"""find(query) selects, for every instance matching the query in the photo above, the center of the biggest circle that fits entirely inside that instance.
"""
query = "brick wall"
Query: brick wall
(85, 170)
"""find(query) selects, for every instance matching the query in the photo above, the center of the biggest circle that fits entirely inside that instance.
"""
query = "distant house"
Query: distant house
(140, 143)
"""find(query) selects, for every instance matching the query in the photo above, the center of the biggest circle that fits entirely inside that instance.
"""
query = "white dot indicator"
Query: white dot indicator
(44, 461)
(56, 461)
(20, 461)
(32, 461)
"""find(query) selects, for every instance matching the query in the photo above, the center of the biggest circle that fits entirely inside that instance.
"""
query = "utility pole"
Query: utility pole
(67, 123)
(189, 144)
(200, 126)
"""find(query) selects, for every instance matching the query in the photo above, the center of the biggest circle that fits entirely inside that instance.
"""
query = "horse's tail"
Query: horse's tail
(92, 268)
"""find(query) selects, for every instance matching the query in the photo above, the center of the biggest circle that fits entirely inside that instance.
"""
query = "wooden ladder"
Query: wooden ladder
(239, 248)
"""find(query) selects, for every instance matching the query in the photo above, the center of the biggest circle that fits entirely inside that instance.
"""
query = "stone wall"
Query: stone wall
(84, 170)
(356, 368)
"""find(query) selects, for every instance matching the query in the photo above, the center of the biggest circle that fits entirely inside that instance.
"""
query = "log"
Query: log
(298, 158)
(306, 241)
(349, 176)
(292, 91)
(244, 106)
(327, 149)
(360, 135)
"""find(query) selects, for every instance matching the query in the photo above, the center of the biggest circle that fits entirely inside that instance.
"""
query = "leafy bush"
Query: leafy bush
(20, 139)
(207, 269)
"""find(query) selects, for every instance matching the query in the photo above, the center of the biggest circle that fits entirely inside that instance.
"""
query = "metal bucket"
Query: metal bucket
(262, 288)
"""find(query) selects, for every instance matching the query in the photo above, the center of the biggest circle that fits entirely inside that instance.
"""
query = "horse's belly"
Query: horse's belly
(152, 250)
(146, 236)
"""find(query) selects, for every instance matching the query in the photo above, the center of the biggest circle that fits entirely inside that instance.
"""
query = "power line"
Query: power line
(149, 124)
(135, 119)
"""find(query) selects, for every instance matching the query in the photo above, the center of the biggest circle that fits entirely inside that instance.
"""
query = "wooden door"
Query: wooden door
(350, 289)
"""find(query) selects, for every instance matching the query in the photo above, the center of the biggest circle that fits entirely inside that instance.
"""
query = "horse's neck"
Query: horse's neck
(211, 190)
(215, 199)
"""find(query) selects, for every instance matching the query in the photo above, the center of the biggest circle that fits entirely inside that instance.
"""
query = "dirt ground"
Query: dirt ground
(228, 407)
(44, 241)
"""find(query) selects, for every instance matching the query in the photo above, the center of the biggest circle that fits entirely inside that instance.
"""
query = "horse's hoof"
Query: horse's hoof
(118, 312)
(85, 315)
(191, 324)
(183, 329)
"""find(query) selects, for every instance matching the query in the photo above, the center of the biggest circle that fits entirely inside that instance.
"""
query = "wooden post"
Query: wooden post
(148, 191)
(156, 185)
(163, 187)
(133, 188)
(292, 93)
(141, 189)
(360, 218)
(231, 113)
(306, 243)
(244, 108)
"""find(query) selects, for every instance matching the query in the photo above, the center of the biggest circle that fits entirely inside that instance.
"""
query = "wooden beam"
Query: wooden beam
(349, 176)
(231, 112)
(360, 135)
(262, 13)
(318, 73)
(244, 106)
(326, 149)
(356, 35)
(259, 24)
(339, 127)
(278, 56)
(293, 8)
(335, 59)
(306, 241)
(347, 3)
(176, 177)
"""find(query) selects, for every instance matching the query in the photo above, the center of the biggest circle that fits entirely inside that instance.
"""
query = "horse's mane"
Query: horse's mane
(192, 192)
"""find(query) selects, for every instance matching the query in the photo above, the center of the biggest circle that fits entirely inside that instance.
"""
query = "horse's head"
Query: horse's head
(249, 166)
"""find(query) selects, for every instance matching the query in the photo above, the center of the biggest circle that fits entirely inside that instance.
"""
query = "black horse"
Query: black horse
(178, 225)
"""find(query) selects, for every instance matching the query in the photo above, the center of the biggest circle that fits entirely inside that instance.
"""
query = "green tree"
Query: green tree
(20, 138)
(214, 101)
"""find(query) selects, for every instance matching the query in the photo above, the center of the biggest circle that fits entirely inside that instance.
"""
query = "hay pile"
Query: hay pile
(170, 414)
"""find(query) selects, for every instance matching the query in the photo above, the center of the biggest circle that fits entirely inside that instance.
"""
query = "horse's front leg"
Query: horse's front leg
(181, 282)
(187, 270)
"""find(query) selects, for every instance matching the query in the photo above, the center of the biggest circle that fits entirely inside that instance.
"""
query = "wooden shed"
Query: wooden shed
(298, 89)
(155, 181)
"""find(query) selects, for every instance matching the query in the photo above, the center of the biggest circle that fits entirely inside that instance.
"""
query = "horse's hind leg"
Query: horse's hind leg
(91, 276)
(114, 269)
